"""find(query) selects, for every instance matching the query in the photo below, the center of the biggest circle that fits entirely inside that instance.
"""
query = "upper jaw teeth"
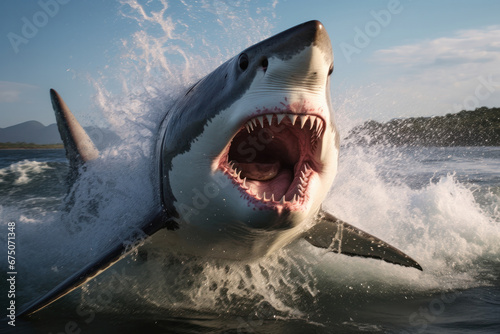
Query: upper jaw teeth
(312, 125)
(314, 122)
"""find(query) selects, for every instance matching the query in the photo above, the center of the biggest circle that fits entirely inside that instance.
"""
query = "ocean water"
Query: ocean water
(439, 205)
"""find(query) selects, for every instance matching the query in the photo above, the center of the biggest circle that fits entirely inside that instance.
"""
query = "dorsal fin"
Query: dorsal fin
(79, 147)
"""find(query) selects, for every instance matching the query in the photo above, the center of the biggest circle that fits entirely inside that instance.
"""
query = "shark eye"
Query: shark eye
(243, 61)
(265, 64)
(330, 71)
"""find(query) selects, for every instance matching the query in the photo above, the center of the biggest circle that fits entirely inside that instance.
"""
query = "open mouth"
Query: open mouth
(274, 157)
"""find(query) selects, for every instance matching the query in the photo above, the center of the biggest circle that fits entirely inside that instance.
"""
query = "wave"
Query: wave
(22, 172)
(32, 185)
(442, 225)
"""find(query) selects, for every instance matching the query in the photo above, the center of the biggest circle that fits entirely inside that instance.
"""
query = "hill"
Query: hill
(480, 127)
(31, 132)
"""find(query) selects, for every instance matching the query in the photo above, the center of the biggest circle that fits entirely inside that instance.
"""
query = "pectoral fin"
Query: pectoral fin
(340, 237)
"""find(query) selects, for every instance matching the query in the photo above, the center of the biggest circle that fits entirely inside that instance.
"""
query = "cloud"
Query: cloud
(438, 76)
(11, 91)
(466, 46)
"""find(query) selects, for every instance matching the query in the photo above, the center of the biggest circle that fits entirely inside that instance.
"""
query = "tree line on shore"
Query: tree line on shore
(479, 127)
(23, 145)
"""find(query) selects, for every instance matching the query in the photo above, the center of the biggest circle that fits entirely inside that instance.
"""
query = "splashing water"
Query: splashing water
(440, 222)
(22, 171)
(159, 61)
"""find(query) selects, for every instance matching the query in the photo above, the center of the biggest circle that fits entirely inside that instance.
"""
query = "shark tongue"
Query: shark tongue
(267, 177)
(260, 171)
(277, 186)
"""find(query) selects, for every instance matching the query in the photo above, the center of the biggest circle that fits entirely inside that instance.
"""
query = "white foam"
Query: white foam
(23, 171)
(440, 225)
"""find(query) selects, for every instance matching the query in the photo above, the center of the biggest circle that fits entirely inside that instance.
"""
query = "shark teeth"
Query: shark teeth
(303, 120)
(269, 118)
(316, 123)
(296, 195)
(304, 179)
(270, 198)
(260, 120)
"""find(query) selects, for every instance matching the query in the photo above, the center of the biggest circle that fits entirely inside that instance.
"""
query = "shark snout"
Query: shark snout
(300, 53)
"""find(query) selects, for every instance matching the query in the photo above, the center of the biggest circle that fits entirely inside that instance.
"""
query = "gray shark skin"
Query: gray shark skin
(244, 160)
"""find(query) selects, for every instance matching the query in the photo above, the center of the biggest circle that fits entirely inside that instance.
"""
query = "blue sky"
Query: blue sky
(392, 58)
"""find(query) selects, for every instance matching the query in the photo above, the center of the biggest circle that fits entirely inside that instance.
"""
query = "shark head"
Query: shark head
(253, 146)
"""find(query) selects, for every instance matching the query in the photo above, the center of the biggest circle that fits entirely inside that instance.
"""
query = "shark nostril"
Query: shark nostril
(243, 61)
(264, 64)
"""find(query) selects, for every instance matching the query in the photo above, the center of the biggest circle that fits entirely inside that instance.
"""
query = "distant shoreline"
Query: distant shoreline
(480, 127)
(30, 146)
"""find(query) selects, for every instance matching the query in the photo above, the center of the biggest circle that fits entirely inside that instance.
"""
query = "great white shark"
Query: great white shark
(244, 160)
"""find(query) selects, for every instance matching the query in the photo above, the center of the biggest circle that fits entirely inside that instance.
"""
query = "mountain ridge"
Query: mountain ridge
(31, 132)
(34, 132)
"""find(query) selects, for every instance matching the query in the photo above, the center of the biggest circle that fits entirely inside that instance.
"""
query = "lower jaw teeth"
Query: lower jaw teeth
(272, 199)
(235, 171)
